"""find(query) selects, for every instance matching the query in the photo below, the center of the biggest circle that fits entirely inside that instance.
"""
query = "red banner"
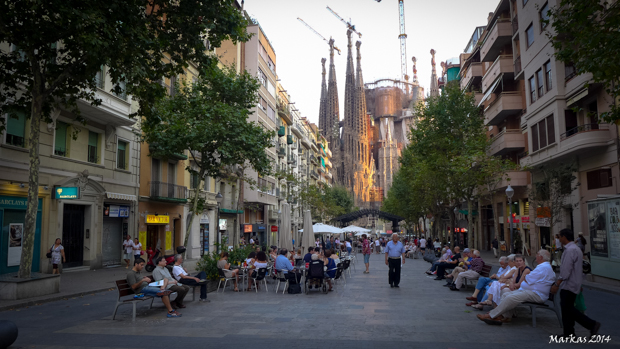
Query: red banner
(274, 228)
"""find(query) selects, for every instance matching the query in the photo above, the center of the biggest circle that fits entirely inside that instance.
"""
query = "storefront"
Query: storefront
(604, 236)
(12, 219)
(255, 232)
(115, 228)
(204, 234)
(158, 234)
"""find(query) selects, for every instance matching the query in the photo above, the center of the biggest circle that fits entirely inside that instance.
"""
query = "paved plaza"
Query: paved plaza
(364, 313)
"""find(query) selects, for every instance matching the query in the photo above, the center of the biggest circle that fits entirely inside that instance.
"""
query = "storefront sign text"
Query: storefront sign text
(67, 193)
(153, 219)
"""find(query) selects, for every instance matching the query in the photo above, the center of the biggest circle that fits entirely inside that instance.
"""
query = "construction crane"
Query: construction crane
(403, 40)
(348, 24)
(317, 33)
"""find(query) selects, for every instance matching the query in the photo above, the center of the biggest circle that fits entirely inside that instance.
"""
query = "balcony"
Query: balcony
(313, 174)
(585, 137)
(281, 152)
(305, 142)
(478, 97)
(515, 25)
(502, 65)
(498, 37)
(517, 179)
(281, 131)
(168, 192)
(230, 206)
(507, 141)
(329, 175)
(313, 159)
(328, 152)
(113, 110)
(472, 76)
(205, 195)
(284, 113)
(272, 214)
(505, 105)
(518, 70)
(297, 130)
(289, 139)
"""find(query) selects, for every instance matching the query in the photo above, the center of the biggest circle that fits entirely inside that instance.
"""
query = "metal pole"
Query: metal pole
(217, 226)
(511, 235)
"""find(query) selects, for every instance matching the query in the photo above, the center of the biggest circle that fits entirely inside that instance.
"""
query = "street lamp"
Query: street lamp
(219, 198)
(509, 193)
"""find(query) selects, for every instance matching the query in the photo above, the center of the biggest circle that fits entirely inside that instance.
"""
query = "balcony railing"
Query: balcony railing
(583, 128)
(569, 72)
(517, 65)
(515, 25)
(163, 191)
(230, 206)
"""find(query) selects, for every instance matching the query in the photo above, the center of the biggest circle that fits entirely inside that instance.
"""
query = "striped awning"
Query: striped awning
(119, 196)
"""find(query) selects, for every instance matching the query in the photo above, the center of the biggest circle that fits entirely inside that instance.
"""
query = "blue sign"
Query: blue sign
(67, 193)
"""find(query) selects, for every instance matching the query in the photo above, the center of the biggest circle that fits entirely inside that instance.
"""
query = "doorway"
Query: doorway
(111, 240)
(545, 237)
(73, 235)
(152, 236)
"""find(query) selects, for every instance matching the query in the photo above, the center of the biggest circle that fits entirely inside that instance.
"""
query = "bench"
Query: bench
(486, 271)
(553, 304)
(125, 290)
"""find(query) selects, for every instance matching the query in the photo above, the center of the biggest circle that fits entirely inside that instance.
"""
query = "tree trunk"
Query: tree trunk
(192, 214)
(235, 237)
(480, 237)
(495, 220)
(471, 225)
(25, 265)
(453, 222)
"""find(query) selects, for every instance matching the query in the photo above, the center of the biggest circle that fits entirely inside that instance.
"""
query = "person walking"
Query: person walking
(377, 246)
(495, 247)
(127, 250)
(571, 275)
(137, 249)
(366, 251)
(58, 253)
(394, 257)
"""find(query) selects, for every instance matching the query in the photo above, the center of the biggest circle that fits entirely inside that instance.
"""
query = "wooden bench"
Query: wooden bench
(553, 304)
(125, 290)
(486, 271)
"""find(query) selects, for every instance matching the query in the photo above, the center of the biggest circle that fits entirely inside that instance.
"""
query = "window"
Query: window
(100, 78)
(599, 178)
(271, 88)
(156, 170)
(122, 94)
(93, 142)
(173, 85)
(16, 129)
(60, 139)
(548, 76)
(543, 133)
(569, 71)
(544, 16)
(208, 183)
(262, 78)
(271, 113)
(172, 173)
(262, 103)
(532, 90)
(539, 81)
(21, 53)
(194, 181)
(122, 155)
(529, 35)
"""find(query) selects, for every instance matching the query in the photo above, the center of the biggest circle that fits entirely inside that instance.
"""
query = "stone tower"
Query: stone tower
(323, 120)
(434, 82)
(331, 128)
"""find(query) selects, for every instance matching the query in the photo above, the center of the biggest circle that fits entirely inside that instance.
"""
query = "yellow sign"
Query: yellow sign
(168, 240)
(142, 239)
(153, 219)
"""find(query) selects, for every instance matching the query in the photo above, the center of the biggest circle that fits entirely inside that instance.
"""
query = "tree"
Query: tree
(58, 46)
(210, 119)
(585, 36)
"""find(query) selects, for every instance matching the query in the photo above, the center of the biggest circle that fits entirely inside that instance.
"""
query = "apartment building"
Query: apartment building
(88, 183)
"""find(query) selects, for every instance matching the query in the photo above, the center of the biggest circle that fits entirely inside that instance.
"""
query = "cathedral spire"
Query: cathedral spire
(323, 121)
(434, 82)
(332, 112)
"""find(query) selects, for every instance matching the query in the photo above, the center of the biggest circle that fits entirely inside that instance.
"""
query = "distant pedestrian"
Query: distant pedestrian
(58, 253)
(366, 251)
(394, 258)
(137, 248)
(495, 247)
(423, 244)
(571, 275)
(128, 250)
(377, 246)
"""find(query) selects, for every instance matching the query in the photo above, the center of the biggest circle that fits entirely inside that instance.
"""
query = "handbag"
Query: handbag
(580, 302)
(49, 254)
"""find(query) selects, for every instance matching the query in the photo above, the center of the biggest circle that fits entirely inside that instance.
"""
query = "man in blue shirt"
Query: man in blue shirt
(394, 254)
(308, 256)
(283, 263)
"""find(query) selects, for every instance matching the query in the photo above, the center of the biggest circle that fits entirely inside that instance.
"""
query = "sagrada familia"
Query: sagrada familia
(367, 144)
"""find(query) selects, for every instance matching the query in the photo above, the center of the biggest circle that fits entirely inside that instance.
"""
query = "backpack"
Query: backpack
(294, 289)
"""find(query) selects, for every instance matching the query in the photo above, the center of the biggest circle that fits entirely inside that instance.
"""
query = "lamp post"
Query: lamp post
(277, 243)
(456, 235)
(219, 198)
(509, 193)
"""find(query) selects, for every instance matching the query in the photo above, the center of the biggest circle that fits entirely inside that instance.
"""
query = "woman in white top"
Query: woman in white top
(259, 262)
(335, 257)
(58, 254)
(495, 289)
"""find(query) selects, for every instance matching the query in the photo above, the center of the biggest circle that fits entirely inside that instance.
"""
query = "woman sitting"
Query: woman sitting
(331, 268)
(225, 266)
(259, 262)
(335, 257)
(250, 260)
(517, 276)
(273, 254)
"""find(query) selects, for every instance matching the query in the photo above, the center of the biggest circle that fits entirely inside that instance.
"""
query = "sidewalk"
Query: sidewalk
(76, 284)
(488, 258)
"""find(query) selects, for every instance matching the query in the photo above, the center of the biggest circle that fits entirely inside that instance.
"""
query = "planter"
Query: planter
(212, 285)
(39, 284)
(8, 333)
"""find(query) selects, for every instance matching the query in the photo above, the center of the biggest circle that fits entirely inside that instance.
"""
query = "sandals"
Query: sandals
(173, 314)
(487, 302)
(478, 306)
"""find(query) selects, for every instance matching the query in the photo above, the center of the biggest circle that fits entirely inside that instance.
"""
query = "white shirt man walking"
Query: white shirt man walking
(394, 257)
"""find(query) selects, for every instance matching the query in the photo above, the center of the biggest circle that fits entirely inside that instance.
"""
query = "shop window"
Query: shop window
(60, 139)
(122, 155)
(600, 178)
(93, 146)
(16, 129)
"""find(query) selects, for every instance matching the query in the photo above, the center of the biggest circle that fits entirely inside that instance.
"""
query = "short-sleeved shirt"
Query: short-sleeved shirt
(308, 257)
(128, 245)
(377, 242)
(161, 273)
(221, 264)
(422, 243)
(394, 250)
(366, 247)
(177, 271)
(133, 277)
(137, 247)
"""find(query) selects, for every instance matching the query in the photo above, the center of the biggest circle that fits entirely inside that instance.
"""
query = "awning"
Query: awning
(119, 196)
(490, 90)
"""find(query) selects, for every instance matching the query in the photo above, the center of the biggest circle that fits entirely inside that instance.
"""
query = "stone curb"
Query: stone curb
(28, 303)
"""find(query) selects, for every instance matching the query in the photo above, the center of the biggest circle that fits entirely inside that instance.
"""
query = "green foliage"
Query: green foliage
(585, 34)
(326, 202)
(208, 262)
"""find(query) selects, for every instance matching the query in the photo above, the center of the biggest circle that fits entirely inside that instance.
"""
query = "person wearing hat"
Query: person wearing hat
(461, 268)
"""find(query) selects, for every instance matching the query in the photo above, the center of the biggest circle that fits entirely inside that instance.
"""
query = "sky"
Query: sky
(443, 25)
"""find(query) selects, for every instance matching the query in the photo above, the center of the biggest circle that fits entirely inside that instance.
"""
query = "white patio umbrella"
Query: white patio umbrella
(321, 228)
(286, 238)
(362, 233)
(307, 239)
(355, 229)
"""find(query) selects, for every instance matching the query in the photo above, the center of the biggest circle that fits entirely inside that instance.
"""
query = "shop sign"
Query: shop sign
(261, 227)
(514, 220)
(543, 222)
(525, 219)
(168, 240)
(13, 202)
(16, 231)
(613, 212)
(153, 219)
(223, 224)
(115, 211)
(543, 212)
(526, 225)
(247, 228)
(598, 229)
(204, 219)
(67, 193)
(274, 228)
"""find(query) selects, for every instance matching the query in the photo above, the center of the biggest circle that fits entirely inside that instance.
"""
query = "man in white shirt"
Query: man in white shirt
(535, 288)
(377, 246)
(251, 241)
(180, 274)
(423, 244)
(127, 250)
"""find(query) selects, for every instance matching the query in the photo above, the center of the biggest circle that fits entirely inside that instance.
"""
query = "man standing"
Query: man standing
(127, 250)
(366, 251)
(162, 273)
(377, 246)
(180, 274)
(571, 275)
(423, 245)
(394, 256)
(137, 248)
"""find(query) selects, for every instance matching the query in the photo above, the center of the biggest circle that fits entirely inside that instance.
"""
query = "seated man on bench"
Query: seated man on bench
(535, 289)
(451, 264)
(140, 284)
